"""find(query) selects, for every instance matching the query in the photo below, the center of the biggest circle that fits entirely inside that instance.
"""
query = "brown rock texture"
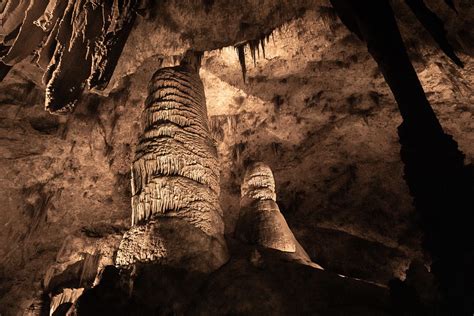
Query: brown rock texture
(260, 221)
(73, 41)
(175, 177)
(315, 109)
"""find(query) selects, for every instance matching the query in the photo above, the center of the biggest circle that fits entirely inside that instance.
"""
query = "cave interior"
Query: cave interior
(198, 157)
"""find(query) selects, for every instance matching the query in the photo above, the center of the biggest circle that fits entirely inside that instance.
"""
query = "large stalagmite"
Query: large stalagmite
(175, 177)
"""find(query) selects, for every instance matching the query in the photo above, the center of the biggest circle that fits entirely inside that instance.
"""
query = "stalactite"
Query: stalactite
(216, 124)
(51, 14)
(262, 43)
(29, 35)
(237, 151)
(175, 174)
(241, 54)
(49, 22)
(69, 76)
(46, 53)
(67, 296)
(254, 47)
(435, 26)
(231, 123)
(110, 44)
(254, 50)
(12, 19)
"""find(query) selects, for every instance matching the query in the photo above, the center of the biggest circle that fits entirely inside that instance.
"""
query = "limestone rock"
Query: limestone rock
(171, 242)
(175, 177)
(260, 221)
(337, 166)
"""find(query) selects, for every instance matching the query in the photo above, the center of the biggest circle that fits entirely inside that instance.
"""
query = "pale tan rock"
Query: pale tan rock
(12, 18)
(175, 179)
(173, 242)
(260, 221)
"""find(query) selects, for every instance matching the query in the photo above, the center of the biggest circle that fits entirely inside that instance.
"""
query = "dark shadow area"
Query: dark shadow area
(147, 289)
(256, 281)
(440, 183)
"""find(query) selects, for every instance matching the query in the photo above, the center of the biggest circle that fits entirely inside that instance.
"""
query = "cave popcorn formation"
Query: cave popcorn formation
(175, 175)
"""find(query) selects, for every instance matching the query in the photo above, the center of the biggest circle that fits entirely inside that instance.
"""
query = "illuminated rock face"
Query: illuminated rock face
(175, 177)
(260, 220)
(258, 183)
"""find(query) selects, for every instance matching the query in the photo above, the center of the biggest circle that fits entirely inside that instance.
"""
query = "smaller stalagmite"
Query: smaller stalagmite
(175, 177)
(261, 222)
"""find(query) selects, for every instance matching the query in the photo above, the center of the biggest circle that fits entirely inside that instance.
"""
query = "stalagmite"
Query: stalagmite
(175, 177)
(260, 221)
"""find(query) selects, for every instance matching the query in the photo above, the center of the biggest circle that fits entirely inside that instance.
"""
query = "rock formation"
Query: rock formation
(261, 222)
(314, 104)
(175, 177)
(75, 42)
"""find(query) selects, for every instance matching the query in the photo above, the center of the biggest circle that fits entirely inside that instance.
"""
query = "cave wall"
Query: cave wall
(315, 109)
